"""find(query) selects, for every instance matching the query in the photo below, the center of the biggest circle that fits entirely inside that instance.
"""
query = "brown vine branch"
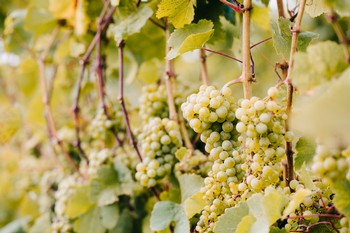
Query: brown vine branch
(333, 19)
(169, 77)
(50, 123)
(280, 8)
(121, 46)
(222, 54)
(157, 24)
(84, 61)
(246, 59)
(290, 88)
(204, 68)
(260, 42)
(99, 72)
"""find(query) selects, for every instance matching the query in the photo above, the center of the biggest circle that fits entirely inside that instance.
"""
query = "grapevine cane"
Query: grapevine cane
(290, 88)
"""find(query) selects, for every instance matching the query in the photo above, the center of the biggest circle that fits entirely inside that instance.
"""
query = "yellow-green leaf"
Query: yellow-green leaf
(297, 199)
(189, 38)
(178, 12)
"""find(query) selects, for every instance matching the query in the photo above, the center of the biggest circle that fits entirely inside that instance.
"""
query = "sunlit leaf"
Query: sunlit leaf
(79, 202)
(228, 222)
(296, 200)
(342, 194)
(10, 122)
(189, 38)
(190, 184)
(110, 216)
(320, 63)
(165, 212)
(132, 24)
(324, 116)
(194, 204)
(178, 12)
(315, 7)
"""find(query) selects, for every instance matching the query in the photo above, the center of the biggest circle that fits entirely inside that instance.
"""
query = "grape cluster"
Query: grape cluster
(331, 164)
(97, 158)
(154, 101)
(262, 135)
(101, 124)
(159, 141)
(313, 207)
(194, 163)
(66, 187)
(128, 156)
(245, 141)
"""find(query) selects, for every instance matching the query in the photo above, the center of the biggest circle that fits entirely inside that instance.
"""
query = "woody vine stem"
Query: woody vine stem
(290, 88)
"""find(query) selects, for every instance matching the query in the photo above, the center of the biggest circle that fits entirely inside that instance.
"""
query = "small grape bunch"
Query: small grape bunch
(97, 158)
(331, 164)
(66, 188)
(154, 100)
(193, 162)
(159, 140)
(102, 124)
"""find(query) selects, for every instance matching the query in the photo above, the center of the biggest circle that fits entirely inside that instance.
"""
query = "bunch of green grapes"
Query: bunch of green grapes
(211, 112)
(195, 163)
(97, 158)
(128, 156)
(154, 101)
(160, 139)
(262, 135)
(101, 124)
(66, 188)
(331, 164)
(48, 182)
(313, 208)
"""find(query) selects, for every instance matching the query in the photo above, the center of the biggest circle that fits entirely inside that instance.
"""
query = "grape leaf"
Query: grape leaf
(194, 204)
(228, 222)
(125, 223)
(315, 7)
(178, 12)
(90, 222)
(79, 202)
(305, 150)
(64, 9)
(105, 187)
(296, 200)
(189, 38)
(132, 24)
(189, 185)
(261, 17)
(165, 212)
(110, 216)
(82, 20)
(320, 63)
(39, 20)
(245, 225)
(10, 122)
(282, 37)
(265, 209)
(304, 176)
(341, 190)
(326, 109)
(183, 153)
(41, 224)
(150, 71)
(340, 6)
(14, 33)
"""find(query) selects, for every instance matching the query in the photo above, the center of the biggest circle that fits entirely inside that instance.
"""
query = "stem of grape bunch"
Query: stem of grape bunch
(247, 77)
(290, 88)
